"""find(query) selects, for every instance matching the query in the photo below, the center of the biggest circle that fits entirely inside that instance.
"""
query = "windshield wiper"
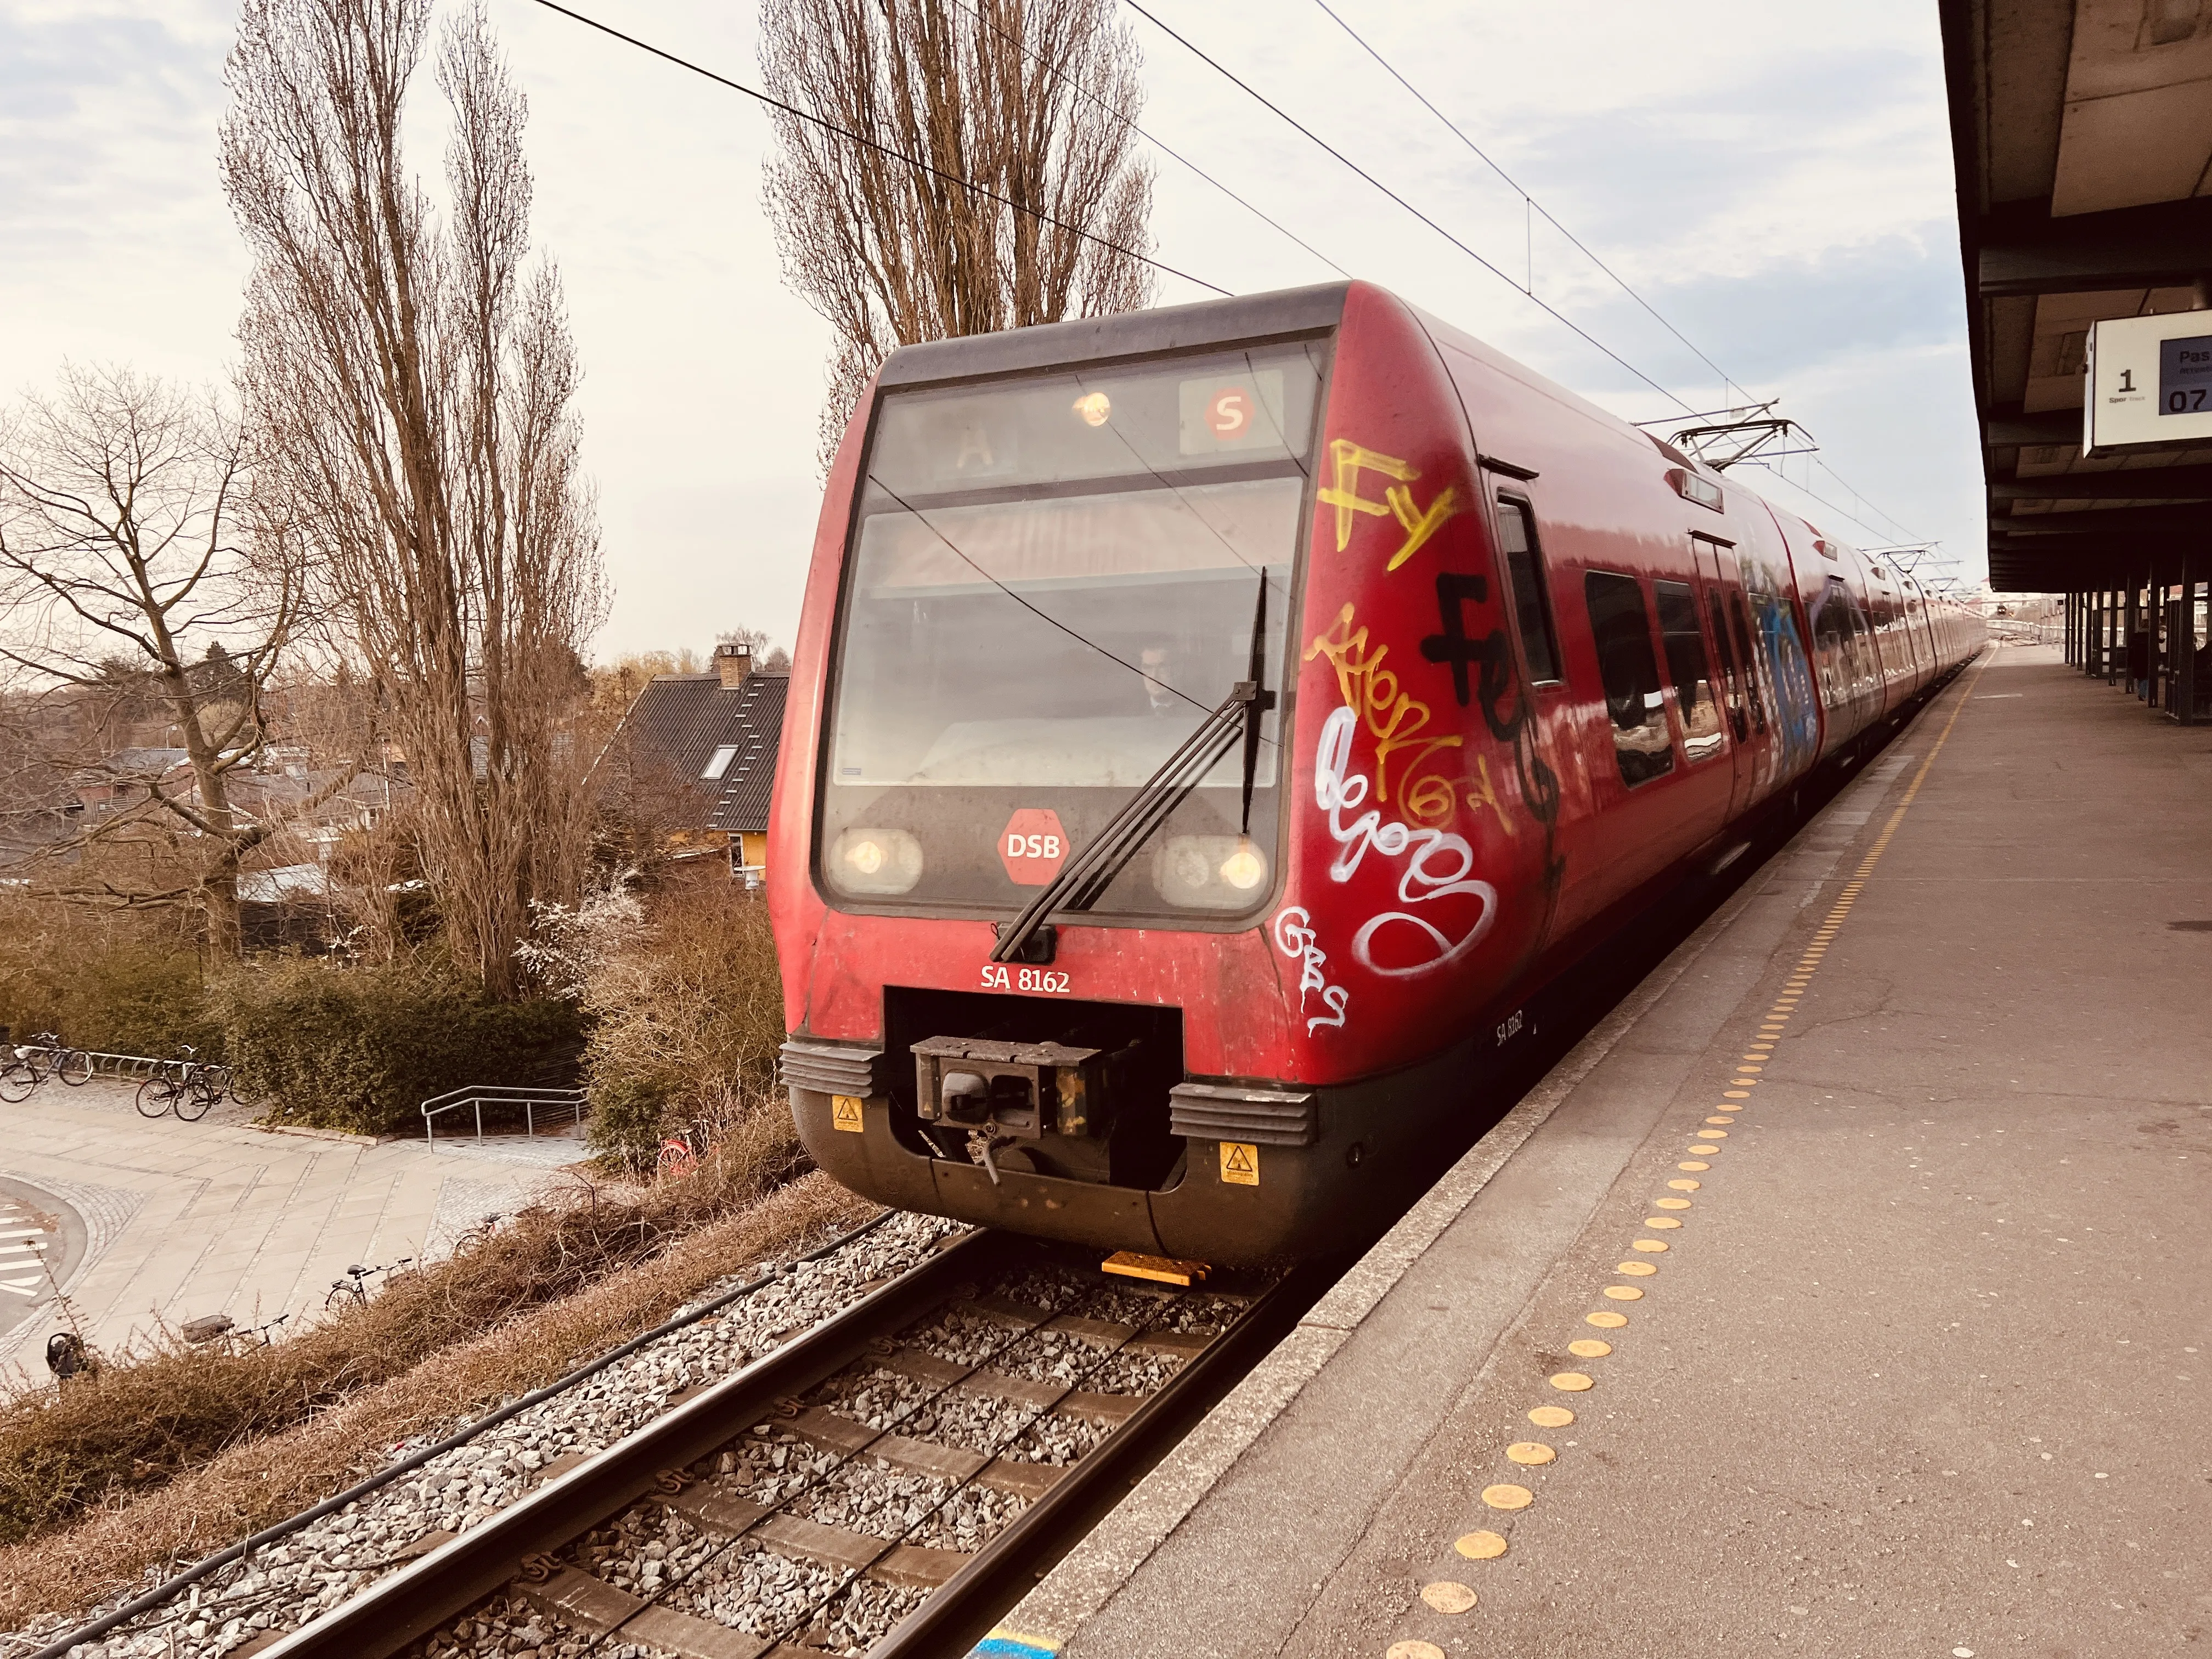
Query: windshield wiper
(1083, 879)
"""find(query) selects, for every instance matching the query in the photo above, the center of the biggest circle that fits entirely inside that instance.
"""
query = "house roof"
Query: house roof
(681, 721)
(750, 780)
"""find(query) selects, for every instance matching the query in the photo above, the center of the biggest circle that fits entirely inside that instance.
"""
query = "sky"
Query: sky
(1774, 181)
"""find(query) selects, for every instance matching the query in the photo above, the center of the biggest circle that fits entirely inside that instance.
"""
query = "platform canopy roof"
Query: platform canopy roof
(2082, 132)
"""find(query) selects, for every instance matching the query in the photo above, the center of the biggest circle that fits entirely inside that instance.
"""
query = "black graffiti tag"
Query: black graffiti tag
(1495, 681)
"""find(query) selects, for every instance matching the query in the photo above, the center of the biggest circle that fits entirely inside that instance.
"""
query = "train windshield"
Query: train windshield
(1052, 581)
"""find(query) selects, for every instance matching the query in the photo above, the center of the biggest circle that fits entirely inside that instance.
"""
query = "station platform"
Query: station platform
(1847, 1290)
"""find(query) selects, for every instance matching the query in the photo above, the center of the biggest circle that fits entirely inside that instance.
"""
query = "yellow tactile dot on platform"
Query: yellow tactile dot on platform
(1413, 1650)
(1720, 1119)
(1573, 1382)
(1636, 1269)
(1508, 1497)
(1531, 1452)
(1554, 1417)
(1690, 1163)
(1605, 1321)
(1649, 1246)
(1712, 1134)
(1735, 1094)
(1675, 1203)
(1686, 1185)
(1480, 1546)
(1589, 1347)
(1447, 1596)
(1662, 1221)
(1625, 1292)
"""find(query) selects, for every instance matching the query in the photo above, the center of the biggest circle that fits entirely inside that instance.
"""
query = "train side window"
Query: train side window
(1742, 632)
(1524, 578)
(1633, 698)
(1737, 722)
(1689, 669)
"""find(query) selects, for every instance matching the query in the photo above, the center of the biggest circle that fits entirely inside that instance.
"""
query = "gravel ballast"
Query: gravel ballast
(292, 1581)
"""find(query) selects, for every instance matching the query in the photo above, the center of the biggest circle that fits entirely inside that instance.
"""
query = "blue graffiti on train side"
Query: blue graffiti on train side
(1797, 715)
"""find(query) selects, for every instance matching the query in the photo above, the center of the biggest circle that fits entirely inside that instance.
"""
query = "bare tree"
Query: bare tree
(131, 592)
(1032, 100)
(412, 385)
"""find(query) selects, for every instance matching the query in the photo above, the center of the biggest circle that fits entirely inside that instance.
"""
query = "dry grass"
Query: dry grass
(262, 1480)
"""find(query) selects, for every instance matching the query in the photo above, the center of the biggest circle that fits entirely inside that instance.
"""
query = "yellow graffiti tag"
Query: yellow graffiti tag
(1394, 718)
(1484, 794)
(1348, 460)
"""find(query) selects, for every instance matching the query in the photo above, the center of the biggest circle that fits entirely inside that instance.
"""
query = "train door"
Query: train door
(1718, 581)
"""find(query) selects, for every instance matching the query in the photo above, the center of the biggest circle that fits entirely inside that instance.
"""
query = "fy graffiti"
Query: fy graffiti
(1295, 938)
(1437, 864)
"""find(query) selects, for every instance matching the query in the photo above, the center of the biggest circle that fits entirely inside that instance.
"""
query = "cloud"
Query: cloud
(1775, 179)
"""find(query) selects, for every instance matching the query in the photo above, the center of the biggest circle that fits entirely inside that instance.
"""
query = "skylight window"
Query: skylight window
(720, 762)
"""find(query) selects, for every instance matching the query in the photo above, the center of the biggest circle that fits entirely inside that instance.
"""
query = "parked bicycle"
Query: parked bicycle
(186, 1087)
(46, 1054)
(18, 1078)
(353, 1287)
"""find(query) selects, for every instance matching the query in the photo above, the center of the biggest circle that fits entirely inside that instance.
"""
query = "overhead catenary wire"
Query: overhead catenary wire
(881, 149)
(962, 182)
(1307, 132)
(1176, 156)
(1728, 384)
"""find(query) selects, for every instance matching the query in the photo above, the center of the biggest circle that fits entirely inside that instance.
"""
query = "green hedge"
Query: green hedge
(361, 1048)
(121, 995)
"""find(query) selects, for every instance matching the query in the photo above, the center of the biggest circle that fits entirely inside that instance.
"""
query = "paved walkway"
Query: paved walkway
(173, 1221)
(1914, 1364)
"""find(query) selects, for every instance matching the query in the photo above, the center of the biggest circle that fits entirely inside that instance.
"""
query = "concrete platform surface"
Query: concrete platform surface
(155, 1222)
(1914, 1363)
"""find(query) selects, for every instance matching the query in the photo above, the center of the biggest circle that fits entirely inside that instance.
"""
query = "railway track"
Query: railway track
(886, 1485)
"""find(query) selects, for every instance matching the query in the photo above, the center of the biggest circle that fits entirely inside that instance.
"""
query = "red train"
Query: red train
(1211, 730)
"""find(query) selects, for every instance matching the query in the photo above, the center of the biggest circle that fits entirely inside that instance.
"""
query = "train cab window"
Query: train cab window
(1524, 578)
(1741, 632)
(1633, 698)
(1688, 667)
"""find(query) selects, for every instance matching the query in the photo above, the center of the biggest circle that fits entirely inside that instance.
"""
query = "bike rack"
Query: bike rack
(480, 1095)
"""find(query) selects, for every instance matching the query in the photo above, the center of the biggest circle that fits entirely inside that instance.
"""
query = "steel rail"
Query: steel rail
(178, 1582)
(962, 1612)
(396, 1611)
(399, 1609)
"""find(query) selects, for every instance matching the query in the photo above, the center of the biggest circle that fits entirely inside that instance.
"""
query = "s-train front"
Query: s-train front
(1160, 813)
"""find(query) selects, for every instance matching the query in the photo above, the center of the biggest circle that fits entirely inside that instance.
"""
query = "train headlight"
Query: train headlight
(1244, 869)
(1209, 872)
(1095, 407)
(874, 861)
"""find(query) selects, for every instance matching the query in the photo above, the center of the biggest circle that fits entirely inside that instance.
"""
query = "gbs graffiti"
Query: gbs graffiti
(1294, 938)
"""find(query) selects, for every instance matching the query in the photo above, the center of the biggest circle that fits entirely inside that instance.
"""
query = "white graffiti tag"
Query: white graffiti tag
(1437, 864)
(1294, 938)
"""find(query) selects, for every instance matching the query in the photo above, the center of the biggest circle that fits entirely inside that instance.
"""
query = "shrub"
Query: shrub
(361, 1048)
(124, 989)
(686, 1013)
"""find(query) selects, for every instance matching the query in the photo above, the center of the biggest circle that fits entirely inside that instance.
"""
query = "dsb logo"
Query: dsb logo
(1033, 847)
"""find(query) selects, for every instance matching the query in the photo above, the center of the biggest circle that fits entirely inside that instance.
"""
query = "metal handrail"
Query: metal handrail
(481, 1095)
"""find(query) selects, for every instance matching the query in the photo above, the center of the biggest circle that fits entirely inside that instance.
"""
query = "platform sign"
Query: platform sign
(2149, 383)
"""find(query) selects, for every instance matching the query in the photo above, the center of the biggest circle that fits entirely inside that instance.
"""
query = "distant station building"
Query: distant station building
(695, 755)
(2082, 134)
